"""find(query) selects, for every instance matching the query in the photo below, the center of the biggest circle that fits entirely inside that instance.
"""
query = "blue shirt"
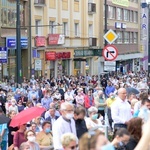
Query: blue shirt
(46, 102)
(108, 90)
(4, 127)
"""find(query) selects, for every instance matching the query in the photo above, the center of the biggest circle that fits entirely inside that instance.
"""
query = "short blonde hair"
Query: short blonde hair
(133, 101)
(67, 138)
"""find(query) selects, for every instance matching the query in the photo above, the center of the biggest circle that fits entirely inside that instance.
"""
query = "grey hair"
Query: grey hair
(64, 105)
(92, 109)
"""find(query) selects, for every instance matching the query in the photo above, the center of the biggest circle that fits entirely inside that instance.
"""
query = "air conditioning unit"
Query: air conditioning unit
(92, 41)
(76, 0)
(91, 8)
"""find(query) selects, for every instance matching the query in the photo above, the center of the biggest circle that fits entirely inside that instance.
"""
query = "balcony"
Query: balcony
(39, 3)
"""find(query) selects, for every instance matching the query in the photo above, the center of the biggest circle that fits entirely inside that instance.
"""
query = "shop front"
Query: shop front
(9, 68)
(83, 61)
(60, 62)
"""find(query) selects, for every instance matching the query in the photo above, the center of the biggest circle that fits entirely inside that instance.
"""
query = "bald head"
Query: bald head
(122, 93)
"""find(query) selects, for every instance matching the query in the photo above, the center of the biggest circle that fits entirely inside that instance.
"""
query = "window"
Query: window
(119, 14)
(126, 15)
(65, 28)
(8, 13)
(135, 16)
(111, 12)
(126, 37)
(76, 28)
(131, 16)
(131, 37)
(90, 30)
(119, 39)
(37, 28)
(135, 40)
(52, 27)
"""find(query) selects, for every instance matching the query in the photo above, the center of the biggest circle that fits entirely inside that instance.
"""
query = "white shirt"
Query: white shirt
(121, 111)
(92, 124)
(60, 127)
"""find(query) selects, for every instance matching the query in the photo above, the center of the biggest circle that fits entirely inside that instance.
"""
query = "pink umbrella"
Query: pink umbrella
(26, 115)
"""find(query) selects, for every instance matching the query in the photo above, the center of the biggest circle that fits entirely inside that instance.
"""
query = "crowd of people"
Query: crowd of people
(78, 112)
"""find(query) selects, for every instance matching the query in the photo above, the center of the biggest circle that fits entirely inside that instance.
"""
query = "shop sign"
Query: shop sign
(50, 55)
(83, 53)
(40, 41)
(87, 52)
(11, 42)
(56, 39)
(63, 55)
(38, 64)
(3, 54)
(59, 55)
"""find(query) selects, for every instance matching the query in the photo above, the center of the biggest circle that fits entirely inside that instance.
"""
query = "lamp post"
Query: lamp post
(105, 27)
(18, 43)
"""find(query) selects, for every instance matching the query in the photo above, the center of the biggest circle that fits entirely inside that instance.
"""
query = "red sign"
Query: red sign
(50, 55)
(40, 41)
(54, 39)
(110, 52)
(63, 55)
(59, 55)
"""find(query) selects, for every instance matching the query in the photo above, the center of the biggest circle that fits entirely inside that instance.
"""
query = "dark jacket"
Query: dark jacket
(49, 118)
(80, 127)
(2, 103)
(131, 144)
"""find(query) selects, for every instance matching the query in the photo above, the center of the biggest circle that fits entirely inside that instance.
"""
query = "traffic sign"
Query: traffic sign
(110, 52)
(110, 36)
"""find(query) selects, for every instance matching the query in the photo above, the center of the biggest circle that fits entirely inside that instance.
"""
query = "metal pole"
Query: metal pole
(106, 10)
(30, 40)
(18, 48)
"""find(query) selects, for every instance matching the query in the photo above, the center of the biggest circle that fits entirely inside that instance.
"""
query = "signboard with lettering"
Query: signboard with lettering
(144, 32)
(56, 39)
(11, 42)
(40, 41)
(3, 54)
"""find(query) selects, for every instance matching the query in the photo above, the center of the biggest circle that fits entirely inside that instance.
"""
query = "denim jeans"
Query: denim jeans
(4, 145)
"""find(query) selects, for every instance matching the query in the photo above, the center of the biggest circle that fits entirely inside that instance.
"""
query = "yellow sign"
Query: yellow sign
(124, 3)
(141, 48)
(110, 36)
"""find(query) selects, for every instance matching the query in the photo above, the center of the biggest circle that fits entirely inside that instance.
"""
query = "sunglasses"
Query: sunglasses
(73, 147)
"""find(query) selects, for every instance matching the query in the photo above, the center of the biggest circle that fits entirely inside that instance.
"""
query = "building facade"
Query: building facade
(8, 37)
(65, 36)
(124, 18)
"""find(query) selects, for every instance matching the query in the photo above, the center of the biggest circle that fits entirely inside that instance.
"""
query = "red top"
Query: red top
(87, 102)
(19, 138)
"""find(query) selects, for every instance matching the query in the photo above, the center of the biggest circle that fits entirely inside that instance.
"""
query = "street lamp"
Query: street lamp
(18, 47)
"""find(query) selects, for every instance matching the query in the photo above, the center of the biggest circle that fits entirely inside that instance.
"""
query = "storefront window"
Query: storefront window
(8, 13)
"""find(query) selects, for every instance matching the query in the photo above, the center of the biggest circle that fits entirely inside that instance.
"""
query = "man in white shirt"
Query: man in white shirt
(64, 124)
(121, 110)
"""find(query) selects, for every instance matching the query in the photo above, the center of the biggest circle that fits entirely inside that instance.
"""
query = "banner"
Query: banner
(124, 3)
